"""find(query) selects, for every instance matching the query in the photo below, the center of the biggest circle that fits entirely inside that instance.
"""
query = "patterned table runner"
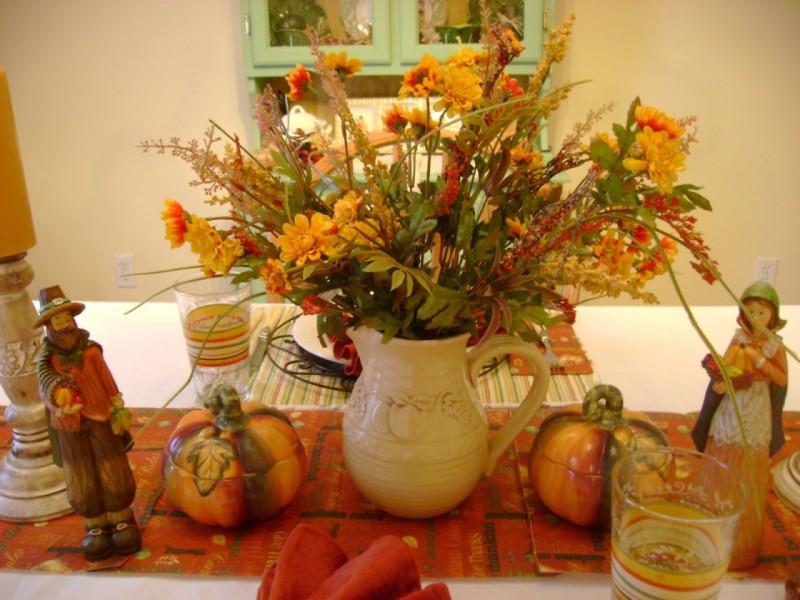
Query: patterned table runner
(288, 379)
(501, 530)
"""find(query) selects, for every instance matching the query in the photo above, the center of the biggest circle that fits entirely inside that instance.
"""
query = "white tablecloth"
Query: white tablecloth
(651, 353)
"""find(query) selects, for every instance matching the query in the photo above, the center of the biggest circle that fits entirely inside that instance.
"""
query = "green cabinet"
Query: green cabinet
(387, 35)
(268, 55)
(533, 23)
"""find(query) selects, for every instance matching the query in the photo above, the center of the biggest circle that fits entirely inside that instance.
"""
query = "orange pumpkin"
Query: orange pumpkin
(231, 464)
(575, 449)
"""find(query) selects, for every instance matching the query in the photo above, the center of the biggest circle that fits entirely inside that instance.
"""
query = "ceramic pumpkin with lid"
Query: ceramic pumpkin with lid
(575, 449)
(231, 463)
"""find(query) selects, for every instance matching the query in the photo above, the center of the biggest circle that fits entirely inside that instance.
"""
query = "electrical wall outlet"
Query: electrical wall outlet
(767, 270)
(123, 268)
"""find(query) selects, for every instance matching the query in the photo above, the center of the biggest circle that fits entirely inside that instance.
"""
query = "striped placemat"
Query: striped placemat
(286, 378)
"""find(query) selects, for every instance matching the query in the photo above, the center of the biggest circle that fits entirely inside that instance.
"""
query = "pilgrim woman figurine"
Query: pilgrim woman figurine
(756, 364)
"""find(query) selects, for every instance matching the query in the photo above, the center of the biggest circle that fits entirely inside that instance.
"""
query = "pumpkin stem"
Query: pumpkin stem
(608, 412)
(226, 407)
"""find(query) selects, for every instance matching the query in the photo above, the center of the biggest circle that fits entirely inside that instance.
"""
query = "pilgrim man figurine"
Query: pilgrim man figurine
(88, 426)
(757, 367)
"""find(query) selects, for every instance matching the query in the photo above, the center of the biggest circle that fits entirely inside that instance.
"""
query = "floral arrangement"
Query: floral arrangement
(482, 244)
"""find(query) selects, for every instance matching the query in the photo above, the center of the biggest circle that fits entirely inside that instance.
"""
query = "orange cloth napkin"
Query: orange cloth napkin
(312, 566)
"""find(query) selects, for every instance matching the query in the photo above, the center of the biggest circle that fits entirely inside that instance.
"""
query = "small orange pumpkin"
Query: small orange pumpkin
(575, 449)
(230, 464)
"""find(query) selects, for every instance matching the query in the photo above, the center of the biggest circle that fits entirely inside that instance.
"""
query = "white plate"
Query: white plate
(304, 332)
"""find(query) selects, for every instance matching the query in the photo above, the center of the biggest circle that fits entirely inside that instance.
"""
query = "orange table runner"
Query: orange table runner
(499, 531)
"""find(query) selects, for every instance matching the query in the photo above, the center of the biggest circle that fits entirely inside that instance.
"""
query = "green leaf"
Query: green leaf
(698, 200)
(442, 308)
(466, 226)
(612, 187)
(422, 279)
(397, 279)
(430, 307)
(308, 270)
(625, 138)
(602, 154)
(636, 103)
(209, 459)
(378, 265)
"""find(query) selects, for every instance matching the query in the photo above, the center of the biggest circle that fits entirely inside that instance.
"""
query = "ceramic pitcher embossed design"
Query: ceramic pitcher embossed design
(416, 438)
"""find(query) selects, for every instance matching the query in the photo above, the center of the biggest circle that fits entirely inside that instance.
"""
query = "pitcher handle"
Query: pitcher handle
(497, 347)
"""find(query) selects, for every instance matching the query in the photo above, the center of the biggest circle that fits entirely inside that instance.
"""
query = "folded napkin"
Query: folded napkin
(312, 566)
(346, 350)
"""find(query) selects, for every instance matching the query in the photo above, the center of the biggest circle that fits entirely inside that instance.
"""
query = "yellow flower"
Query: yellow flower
(609, 141)
(515, 227)
(466, 57)
(214, 253)
(346, 208)
(419, 122)
(344, 66)
(358, 233)
(307, 240)
(524, 159)
(422, 79)
(544, 191)
(661, 157)
(461, 91)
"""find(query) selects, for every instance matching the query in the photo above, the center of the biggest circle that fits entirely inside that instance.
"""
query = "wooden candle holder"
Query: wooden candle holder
(32, 488)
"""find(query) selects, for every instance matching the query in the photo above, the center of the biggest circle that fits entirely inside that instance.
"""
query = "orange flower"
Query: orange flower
(422, 79)
(647, 116)
(510, 86)
(344, 66)
(299, 81)
(395, 120)
(641, 235)
(670, 246)
(508, 46)
(174, 218)
(612, 252)
(274, 277)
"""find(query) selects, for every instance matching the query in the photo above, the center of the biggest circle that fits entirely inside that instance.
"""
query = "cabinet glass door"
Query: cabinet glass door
(441, 25)
(359, 27)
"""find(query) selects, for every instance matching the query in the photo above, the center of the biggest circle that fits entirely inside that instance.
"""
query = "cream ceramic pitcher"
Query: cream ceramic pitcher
(416, 438)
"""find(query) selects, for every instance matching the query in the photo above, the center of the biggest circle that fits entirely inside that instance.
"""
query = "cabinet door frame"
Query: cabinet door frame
(535, 22)
(267, 59)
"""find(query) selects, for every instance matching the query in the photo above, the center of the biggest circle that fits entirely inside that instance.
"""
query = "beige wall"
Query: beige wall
(91, 78)
(731, 63)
